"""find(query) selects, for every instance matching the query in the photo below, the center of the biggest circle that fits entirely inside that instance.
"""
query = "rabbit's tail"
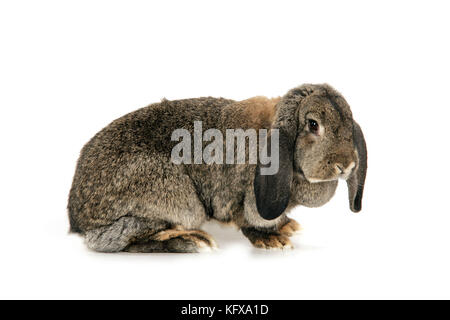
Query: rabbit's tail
(74, 228)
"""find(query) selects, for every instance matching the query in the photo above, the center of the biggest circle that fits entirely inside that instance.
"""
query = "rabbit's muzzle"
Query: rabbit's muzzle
(344, 171)
(338, 165)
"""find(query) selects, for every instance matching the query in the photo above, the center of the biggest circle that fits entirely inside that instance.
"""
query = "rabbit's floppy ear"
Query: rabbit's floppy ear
(356, 180)
(272, 192)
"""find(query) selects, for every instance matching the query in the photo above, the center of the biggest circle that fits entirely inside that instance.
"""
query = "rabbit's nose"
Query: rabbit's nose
(345, 171)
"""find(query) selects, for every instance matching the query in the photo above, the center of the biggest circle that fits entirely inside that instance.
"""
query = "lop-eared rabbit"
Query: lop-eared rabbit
(127, 194)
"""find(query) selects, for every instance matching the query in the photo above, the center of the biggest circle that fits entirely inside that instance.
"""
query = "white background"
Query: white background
(68, 68)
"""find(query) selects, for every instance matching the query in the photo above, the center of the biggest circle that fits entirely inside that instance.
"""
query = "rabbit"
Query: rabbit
(128, 196)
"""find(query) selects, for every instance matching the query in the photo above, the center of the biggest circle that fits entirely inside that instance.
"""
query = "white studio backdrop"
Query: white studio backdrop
(68, 68)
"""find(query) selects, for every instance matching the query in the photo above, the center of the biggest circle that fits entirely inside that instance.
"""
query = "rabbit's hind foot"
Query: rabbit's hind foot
(118, 235)
(266, 240)
(176, 240)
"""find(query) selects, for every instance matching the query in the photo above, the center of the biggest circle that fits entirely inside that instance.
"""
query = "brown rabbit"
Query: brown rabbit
(127, 194)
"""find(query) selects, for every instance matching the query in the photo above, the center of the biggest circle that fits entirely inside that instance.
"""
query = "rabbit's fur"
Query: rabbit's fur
(127, 195)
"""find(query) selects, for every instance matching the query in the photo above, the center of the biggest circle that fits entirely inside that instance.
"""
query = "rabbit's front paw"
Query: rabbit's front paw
(267, 240)
(291, 228)
(272, 241)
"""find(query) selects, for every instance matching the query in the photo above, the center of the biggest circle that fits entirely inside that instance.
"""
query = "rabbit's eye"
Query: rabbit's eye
(313, 126)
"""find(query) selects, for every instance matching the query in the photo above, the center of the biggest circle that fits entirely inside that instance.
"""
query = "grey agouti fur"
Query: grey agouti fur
(127, 195)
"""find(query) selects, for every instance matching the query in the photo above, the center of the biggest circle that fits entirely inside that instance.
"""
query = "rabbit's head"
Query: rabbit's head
(319, 140)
